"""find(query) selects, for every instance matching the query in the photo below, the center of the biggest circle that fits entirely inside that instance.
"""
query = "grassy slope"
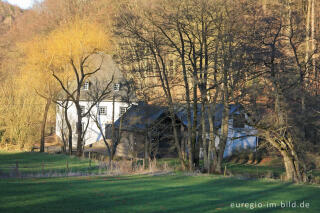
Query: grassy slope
(175, 193)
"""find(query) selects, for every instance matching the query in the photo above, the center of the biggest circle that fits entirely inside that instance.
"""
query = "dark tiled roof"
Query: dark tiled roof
(216, 111)
(141, 116)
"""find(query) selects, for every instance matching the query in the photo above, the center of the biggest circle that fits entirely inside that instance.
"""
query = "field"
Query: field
(31, 163)
(175, 192)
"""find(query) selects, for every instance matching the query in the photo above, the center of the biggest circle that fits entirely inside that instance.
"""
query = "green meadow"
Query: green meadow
(169, 193)
(174, 192)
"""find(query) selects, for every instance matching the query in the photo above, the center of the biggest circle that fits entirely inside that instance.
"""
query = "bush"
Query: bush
(316, 180)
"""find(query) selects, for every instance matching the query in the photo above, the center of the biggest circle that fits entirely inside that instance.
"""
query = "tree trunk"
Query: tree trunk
(146, 150)
(290, 159)
(291, 166)
(212, 150)
(79, 132)
(223, 138)
(211, 155)
(113, 131)
(64, 148)
(69, 137)
(187, 89)
(180, 148)
(195, 144)
(204, 137)
(43, 124)
(69, 128)
(167, 90)
(224, 123)
(313, 47)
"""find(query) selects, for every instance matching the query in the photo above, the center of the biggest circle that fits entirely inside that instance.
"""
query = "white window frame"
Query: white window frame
(86, 85)
(83, 109)
(116, 87)
(102, 110)
(125, 110)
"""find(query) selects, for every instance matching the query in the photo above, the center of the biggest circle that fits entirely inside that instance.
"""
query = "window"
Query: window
(102, 110)
(86, 85)
(82, 127)
(116, 87)
(238, 120)
(108, 131)
(122, 110)
(83, 109)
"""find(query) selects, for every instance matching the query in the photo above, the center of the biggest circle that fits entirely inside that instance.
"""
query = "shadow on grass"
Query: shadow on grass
(35, 164)
(146, 194)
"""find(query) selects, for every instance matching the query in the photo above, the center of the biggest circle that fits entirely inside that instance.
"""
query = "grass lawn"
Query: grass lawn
(141, 193)
(259, 171)
(254, 170)
(33, 162)
(171, 193)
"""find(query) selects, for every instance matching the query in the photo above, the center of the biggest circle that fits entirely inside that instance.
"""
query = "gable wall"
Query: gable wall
(93, 134)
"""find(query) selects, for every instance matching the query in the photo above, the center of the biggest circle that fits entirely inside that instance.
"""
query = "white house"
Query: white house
(92, 135)
(144, 119)
(117, 103)
(241, 136)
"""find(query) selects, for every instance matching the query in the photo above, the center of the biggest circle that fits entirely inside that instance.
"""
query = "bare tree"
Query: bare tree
(126, 94)
(285, 88)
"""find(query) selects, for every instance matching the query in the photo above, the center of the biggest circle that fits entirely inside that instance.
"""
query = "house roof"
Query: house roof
(141, 116)
(108, 70)
(216, 111)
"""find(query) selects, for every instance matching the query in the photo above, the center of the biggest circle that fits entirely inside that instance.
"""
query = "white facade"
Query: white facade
(92, 134)
(238, 138)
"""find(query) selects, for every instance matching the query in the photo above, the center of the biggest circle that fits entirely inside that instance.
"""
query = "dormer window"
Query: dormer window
(116, 87)
(86, 85)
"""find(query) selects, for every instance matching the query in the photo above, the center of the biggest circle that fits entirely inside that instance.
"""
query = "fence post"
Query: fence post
(42, 168)
(143, 164)
(67, 166)
(17, 169)
(89, 159)
(225, 170)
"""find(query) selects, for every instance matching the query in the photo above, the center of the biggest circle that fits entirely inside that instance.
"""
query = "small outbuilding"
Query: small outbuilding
(241, 136)
(147, 130)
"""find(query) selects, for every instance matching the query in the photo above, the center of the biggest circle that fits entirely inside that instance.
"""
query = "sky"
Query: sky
(24, 4)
